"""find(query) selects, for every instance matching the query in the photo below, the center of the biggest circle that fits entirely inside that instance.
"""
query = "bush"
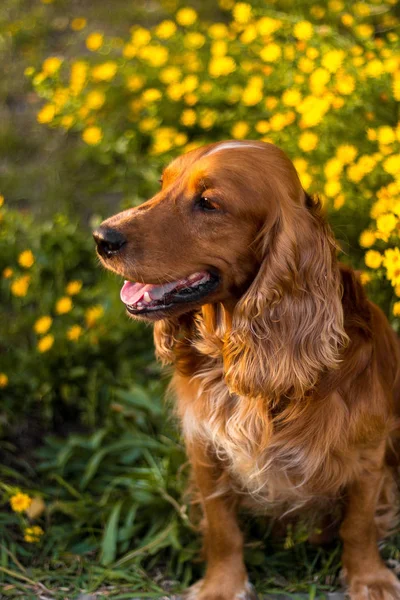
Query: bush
(64, 341)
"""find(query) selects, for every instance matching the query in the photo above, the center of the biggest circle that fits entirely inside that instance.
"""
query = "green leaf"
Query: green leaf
(109, 542)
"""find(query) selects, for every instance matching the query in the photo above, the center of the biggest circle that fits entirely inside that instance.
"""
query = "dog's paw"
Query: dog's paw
(383, 585)
(204, 590)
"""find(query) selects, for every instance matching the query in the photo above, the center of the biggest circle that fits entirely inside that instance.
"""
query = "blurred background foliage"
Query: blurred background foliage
(94, 102)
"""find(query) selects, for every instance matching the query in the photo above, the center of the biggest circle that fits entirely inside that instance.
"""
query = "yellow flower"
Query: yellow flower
(333, 168)
(19, 286)
(338, 202)
(367, 239)
(1, 200)
(347, 20)
(186, 16)
(278, 122)
(346, 153)
(151, 95)
(78, 24)
(33, 534)
(43, 324)
(51, 65)
(135, 82)
(194, 40)
(252, 96)
(223, 65)
(165, 29)
(374, 68)
(271, 102)
(385, 224)
(242, 12)
(67, 121)
(92, 135)
(364, 30)
(306, 65)
(271, 53)
(303, 30)
(155, 55)
(345, 84)
(218, 31)
(386, 135)
(262, 127)
(94, 41)
(188, 117)
(3, 380)
(392, 164)
(396, 309)
(373, 259)
(249, 34)
(129, 51)
(140, 36)
(74, 333)
(267, 25)
(318, 80)
(78, 77)
(170, 75)
(46, 114)
(240, 130)
(219, 48)
(148, 124)
(391, 262)
(332, 188)
(7, 273)
(26, 259)
(45, 343)
(63, 305)
(332, 60)
(20, 502)
(74, 287)
(104, 72)
(95, 99)
(365, 277)
(92, 315)
(308, 141)
(300, 165)
(291, 97)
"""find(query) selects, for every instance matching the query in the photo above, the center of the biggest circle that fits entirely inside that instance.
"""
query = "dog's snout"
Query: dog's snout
(109, 241)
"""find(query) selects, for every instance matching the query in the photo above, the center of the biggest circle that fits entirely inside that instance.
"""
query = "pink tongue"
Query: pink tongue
(131, 293)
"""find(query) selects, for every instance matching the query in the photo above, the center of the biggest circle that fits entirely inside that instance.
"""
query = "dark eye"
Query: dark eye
(206, 204)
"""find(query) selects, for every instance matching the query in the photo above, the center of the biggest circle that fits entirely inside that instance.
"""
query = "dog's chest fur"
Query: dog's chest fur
(276, 459)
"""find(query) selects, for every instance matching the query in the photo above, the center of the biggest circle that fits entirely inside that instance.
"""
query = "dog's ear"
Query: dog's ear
(165, 337)
(288, 327)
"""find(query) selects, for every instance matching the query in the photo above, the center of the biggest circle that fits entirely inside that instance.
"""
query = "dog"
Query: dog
(286, 376)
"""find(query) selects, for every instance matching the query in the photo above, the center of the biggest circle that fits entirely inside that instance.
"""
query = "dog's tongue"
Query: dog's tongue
(131, 293)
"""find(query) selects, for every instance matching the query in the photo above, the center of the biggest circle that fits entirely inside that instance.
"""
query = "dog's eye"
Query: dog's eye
(206, 204)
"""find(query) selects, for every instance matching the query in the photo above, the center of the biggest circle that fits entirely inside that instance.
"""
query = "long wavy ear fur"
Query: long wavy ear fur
(165, 337)
(288, 327)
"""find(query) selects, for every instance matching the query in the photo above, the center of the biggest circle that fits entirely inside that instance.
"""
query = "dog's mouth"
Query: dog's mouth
(144, 298)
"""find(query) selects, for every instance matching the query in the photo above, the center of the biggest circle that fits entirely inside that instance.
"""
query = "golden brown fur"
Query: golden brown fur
(286, 377)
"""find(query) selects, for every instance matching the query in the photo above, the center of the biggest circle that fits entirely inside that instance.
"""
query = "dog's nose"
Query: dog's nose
(109, 241)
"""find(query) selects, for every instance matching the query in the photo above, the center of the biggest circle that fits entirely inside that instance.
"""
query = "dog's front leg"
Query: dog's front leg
(367, 576)
(226, 577)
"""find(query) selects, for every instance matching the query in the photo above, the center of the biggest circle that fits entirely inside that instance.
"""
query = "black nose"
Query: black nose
(109, 241)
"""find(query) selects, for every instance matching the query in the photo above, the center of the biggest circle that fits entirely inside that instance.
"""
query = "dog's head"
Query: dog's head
(197, 240)
(232, 225)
